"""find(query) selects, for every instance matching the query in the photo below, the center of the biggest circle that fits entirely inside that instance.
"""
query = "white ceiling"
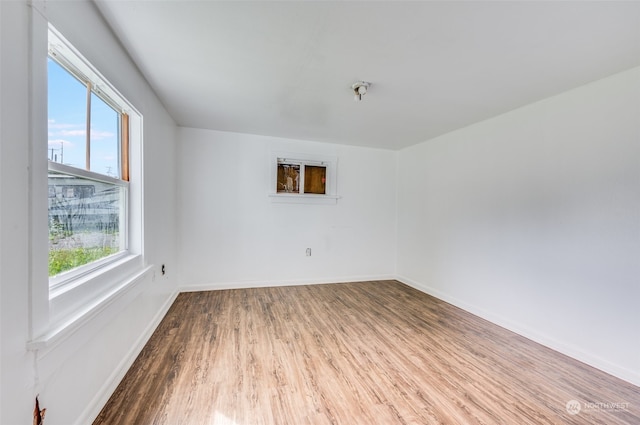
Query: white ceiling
(285, 68)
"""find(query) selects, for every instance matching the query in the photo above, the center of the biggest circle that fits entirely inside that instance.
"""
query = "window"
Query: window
(88, 166)
(315, 179)
(303, 178)
(298, 176)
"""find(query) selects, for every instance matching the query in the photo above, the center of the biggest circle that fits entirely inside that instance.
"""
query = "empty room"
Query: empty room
(319, 212)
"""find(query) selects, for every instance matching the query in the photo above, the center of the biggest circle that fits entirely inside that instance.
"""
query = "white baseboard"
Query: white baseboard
(212, 286)
(572, 351)
(94, 407)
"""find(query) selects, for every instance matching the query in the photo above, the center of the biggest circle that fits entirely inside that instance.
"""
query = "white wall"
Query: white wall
(529, 219)
(75, 376)
(231, 234)
(14, 228)
(532, 220)
(1, 244)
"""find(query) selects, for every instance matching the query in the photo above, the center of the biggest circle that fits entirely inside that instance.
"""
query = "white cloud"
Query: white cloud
(56, 143)
(57, 126)
(75, 130)
(71, 133)
(97, 135)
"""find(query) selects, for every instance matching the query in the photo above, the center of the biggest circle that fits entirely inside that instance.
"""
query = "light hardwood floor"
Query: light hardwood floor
(352, 353)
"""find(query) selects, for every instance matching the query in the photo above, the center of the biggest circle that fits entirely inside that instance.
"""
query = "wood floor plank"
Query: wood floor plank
(356, 353)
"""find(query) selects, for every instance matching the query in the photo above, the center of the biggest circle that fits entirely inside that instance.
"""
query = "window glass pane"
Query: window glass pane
(67, 117)
(86, 219)
(315, 179)
(288, 178)
(104, 138)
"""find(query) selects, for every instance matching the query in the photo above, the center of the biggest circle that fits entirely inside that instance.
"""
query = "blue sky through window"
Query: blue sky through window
(67, 98)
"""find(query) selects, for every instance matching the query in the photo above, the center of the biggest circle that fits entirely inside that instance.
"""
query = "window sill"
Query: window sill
(72, 309)
(296, 198)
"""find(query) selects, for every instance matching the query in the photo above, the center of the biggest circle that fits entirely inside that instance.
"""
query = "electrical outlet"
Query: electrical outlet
(308, 252)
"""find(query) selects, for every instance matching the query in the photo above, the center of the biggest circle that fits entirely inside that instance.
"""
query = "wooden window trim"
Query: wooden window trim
(124, 146)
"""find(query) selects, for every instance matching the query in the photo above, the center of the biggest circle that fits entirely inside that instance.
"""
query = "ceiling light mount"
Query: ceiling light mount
(360, 88)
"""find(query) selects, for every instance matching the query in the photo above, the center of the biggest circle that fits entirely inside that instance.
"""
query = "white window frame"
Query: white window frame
(74, 294)
(330, 196)
(63, 52)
